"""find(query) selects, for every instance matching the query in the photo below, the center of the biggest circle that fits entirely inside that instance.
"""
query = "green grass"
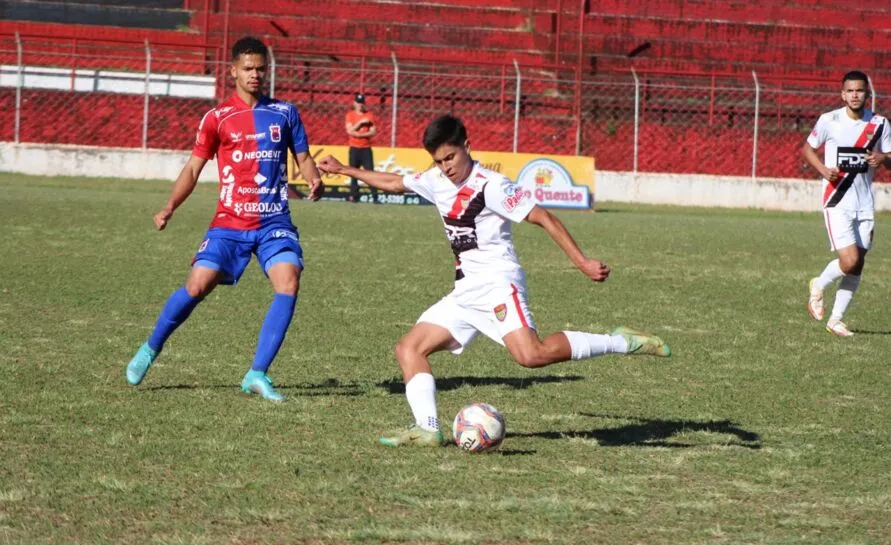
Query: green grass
(762, 428)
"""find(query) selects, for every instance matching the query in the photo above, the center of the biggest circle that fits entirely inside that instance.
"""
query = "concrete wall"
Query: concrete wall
(108, 81)
(723, 191)
(96, 162)
(676, 189)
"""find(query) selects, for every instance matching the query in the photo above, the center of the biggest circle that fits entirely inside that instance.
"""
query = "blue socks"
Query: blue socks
(175, 312)
(273, 332)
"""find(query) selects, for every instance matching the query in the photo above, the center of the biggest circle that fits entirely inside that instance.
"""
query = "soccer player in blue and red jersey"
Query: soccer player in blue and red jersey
(250, 134)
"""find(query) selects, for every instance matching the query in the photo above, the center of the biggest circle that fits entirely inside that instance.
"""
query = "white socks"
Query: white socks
(846, 288)
(830, 274)
(421, 394)
(589, 345)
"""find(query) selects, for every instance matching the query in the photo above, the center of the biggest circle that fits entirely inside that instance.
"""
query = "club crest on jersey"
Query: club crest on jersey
(275, 133)
(501, 312)
(870, 131)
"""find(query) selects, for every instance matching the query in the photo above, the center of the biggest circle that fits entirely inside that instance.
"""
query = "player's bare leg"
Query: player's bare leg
(412, 352)
(850, 261)
(285, 279)
(201, 281)
(529, 351)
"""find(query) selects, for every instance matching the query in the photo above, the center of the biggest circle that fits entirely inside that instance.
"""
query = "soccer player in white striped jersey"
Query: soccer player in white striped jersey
(856, 141)
(477, 207)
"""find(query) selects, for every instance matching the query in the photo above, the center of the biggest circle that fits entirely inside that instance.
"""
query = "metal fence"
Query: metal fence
(151, 96)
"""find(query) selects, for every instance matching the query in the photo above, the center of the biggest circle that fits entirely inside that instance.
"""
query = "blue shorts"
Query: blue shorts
(229, 250)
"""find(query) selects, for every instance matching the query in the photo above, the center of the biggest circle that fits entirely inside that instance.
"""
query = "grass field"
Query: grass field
(762, 428)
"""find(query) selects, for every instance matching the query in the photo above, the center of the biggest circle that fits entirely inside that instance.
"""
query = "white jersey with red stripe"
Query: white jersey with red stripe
(846, 143)
(477, 215)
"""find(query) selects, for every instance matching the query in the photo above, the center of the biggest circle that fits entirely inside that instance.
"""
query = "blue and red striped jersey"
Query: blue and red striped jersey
(251, 146)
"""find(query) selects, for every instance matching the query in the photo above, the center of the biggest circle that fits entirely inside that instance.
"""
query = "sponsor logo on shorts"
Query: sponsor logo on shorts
(284, 233)
(501, 312)
(203, 245)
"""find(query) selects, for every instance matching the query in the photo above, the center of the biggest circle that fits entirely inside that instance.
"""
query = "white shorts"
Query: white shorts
(848, 227)
(504, 310)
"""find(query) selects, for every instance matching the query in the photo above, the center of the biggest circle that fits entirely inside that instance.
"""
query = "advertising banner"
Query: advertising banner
(556, 181)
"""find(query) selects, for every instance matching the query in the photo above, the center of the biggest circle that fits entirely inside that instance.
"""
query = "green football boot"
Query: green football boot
(414, 436)
(643, 344)
(258, 382)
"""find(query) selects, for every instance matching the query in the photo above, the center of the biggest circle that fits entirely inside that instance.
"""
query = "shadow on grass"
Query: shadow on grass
(330, 387)
(870, 332)
(645, 432)
(396, 386)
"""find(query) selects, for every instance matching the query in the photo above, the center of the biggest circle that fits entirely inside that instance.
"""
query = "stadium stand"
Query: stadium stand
(465, 47)
(157, 14)
(784, 41)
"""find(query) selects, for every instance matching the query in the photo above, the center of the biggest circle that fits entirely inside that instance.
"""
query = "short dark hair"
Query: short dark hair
(856, 75)
(445, 129)
(249, 46)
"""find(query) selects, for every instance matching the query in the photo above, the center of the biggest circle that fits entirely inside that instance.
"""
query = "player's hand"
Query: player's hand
(875, 159)
(315, 189)
(162, 217)
(831, 174)
(330, 165)
(595, 270)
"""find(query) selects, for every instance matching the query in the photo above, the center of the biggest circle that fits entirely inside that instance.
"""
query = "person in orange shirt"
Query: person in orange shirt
(361, 126)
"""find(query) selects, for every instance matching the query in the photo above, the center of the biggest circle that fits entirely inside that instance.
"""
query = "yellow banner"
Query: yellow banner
(560, 181)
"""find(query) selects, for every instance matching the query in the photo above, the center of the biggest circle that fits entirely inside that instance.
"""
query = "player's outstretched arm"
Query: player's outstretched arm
(182, 188)
(592, 268)
(385, 181)
(308, 170)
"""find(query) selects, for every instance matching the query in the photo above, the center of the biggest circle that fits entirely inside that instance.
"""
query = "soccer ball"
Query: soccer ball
(478, 427)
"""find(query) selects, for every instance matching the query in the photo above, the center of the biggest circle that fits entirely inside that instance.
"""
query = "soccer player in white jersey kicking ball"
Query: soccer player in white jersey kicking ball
(856, 141)
(477, 207)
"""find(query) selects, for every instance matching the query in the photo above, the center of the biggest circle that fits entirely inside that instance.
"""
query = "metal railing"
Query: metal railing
(154, 97)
